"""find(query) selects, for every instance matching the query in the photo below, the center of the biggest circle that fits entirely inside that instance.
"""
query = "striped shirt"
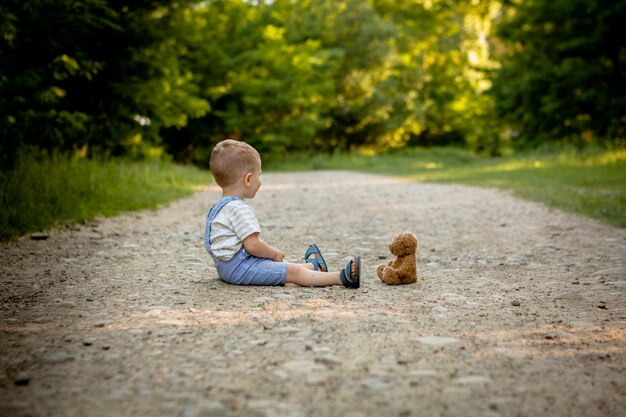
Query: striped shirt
(234, 222)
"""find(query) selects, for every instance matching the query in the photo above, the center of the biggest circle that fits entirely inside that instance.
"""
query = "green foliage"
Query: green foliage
(121, 78)
(278, 91)
(563, 73)
(91, 72)
(302, 74)
(43, 191)
(440, 74)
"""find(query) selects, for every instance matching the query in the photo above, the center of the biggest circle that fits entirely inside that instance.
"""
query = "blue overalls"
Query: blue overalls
(243, 268)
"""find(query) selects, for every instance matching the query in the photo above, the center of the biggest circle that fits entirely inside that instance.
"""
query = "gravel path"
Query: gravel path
(519, 310)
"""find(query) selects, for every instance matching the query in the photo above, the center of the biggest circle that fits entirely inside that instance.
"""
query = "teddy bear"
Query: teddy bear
(403, 269)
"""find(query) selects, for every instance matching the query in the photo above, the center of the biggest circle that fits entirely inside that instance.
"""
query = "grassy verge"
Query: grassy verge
(590, 182)
(44, 191)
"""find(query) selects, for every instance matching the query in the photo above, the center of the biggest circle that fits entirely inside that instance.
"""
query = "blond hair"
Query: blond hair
(231, 159)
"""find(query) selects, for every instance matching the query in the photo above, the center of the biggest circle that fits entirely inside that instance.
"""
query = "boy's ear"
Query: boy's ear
(247, 178)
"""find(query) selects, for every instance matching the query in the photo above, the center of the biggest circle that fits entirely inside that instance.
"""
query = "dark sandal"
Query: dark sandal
(349, 279)
(318, 261)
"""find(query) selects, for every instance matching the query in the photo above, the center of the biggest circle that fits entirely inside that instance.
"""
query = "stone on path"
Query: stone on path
(568, 295)
(422, 373)
(473, 379)
(22, 379)
(437, 340)
(303, 366)
(58, 357)
(620, 271)
(39, 236)
(376, 384)
(329, 360)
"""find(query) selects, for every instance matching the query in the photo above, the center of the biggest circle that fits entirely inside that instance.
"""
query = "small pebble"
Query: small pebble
(376, 384)
(22, 380)
(329, 360)
(39, 236)
(58, 357)
(515, 303)
(437, 340)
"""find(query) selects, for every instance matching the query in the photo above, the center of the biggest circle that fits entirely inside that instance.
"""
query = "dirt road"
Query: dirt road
(520, 310)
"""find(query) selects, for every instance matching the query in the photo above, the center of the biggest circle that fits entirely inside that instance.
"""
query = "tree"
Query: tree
(327, 75)
(102, 74)
(440, 73)
(563, 73)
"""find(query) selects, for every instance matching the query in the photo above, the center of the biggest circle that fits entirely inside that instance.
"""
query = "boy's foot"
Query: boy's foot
(351, 274)
(314, 256)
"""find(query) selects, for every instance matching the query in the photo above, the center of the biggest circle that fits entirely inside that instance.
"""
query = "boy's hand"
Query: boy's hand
(279, 256)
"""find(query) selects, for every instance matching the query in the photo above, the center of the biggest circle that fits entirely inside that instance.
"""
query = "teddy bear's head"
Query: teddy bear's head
(403, 244)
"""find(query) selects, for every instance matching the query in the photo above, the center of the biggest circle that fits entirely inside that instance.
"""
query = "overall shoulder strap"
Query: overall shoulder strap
(220, 204)
(211, 216)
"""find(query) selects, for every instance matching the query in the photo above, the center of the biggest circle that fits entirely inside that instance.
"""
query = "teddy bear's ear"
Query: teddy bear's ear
(410, 242)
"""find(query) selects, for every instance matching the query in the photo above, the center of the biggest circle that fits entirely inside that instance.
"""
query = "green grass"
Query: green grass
(44, 191)
(591, 182)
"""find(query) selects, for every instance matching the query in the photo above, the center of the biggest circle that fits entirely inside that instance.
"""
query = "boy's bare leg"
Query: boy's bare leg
(304, 276)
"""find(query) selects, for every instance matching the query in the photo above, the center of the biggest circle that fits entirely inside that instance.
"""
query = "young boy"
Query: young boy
(232, 230)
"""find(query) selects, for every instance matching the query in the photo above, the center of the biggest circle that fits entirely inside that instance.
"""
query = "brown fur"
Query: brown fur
(403, 269)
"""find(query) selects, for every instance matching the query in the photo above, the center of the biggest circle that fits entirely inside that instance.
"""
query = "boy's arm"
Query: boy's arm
(260, 249)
